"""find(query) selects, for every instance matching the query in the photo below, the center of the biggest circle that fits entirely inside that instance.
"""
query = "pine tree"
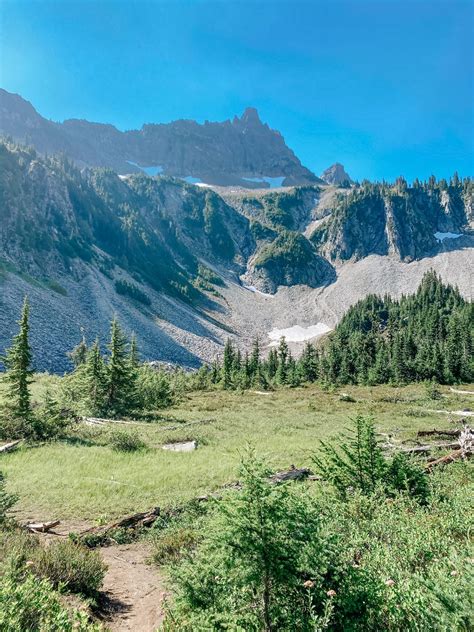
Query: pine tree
(134, 358)
(255, 357)
(282, 371)
(79, 354)
(94, 380)
(18, 363)
(120, 383)
(228, 364)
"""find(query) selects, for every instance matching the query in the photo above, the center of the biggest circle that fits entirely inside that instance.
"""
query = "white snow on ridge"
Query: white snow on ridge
(298, 333)
(272, 182)
(443, 236)
(252, 288)
(152, 170)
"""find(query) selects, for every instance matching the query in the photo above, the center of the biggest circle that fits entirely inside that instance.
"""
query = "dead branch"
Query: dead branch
(135, 521)
(293, 474)
(8, 447)
(434, 432)
(427, 449)
(42, 527)
(456, 455)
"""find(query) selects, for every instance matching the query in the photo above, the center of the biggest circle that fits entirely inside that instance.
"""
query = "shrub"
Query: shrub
(170, 544)
(293, 557)
(357, 462)
(132, 291)
(123, 441)
(71, 566)
(33, 604)
(153, 389)
(261, 546)
(6, 501)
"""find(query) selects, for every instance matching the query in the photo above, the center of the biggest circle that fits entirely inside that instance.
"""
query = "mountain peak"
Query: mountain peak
(336, 174)
(250, 115)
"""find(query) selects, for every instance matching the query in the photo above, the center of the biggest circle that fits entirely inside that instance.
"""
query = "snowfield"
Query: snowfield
(297, 333)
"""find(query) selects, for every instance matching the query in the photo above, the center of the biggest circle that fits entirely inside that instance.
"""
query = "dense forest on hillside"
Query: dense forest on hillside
(425, 336)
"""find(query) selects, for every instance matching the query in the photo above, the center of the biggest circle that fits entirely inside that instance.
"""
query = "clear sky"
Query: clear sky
(385, 87)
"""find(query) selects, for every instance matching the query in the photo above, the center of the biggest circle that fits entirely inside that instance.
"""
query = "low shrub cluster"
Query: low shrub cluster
(305, 557)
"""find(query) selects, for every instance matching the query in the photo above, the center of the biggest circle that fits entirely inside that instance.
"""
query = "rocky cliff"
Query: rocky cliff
(241, 151)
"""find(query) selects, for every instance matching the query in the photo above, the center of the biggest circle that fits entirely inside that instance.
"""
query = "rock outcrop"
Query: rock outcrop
(336, 174)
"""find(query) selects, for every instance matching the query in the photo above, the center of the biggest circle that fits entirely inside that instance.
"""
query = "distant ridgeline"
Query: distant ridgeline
(426, 336)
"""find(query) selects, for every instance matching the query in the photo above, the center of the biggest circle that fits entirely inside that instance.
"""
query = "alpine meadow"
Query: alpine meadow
(236, 366)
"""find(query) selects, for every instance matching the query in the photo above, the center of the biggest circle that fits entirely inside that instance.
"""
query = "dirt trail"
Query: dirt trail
(133, 589)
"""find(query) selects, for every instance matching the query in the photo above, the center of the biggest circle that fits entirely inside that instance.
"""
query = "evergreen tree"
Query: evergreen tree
(18, 363)
(94, 380)
(272, 363)
(228, 364)
(120, 383)
(134, 357)
(282, 370)
(79, 354)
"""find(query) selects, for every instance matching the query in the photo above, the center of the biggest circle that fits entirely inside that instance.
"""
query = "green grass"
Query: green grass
(85, 478)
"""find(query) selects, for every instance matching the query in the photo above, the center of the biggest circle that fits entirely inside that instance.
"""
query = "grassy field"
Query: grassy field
(84, 478)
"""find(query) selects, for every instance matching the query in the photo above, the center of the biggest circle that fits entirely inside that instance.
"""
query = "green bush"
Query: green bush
(6, 501)
(356, 461)
(132, 291)
(294, 557)
(71, 566)
(169, 545)
(123, 441)
(153, 389)
(33, 605)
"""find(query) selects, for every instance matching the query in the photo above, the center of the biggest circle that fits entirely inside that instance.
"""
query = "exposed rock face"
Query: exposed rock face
(336, 174)
(216, 153)
(394, 220)
(288, 260)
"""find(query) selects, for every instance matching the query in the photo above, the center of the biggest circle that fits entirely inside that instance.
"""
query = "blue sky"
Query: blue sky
(385, 87)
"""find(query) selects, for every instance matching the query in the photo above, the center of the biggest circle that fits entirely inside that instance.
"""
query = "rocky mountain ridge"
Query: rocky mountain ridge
(243, 151)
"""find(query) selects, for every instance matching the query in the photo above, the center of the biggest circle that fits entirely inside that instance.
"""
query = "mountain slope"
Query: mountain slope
(185, 267)
(241, 151)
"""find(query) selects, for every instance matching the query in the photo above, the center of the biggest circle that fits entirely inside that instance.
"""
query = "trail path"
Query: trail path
(133, 589)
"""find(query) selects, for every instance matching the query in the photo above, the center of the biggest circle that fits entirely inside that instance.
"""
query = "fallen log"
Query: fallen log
(8, 447)
(456, 455)
(293, 474)
(455, 390)
(426, 449)
(99, 421)
(435, 432)
(42, 527)
(135, 521)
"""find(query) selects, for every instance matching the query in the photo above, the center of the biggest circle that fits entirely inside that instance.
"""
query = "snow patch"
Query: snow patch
(271, 182)
(297, 333)
(191, 180)
(152, 170)
(443, 236)
(252, 288)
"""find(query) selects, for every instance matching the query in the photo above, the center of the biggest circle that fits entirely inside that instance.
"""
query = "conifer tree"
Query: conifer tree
(134, 357)
(94, 379)
(79, 354)
(18, 363)
(120, 383)
(228, 364)
(282, 370)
